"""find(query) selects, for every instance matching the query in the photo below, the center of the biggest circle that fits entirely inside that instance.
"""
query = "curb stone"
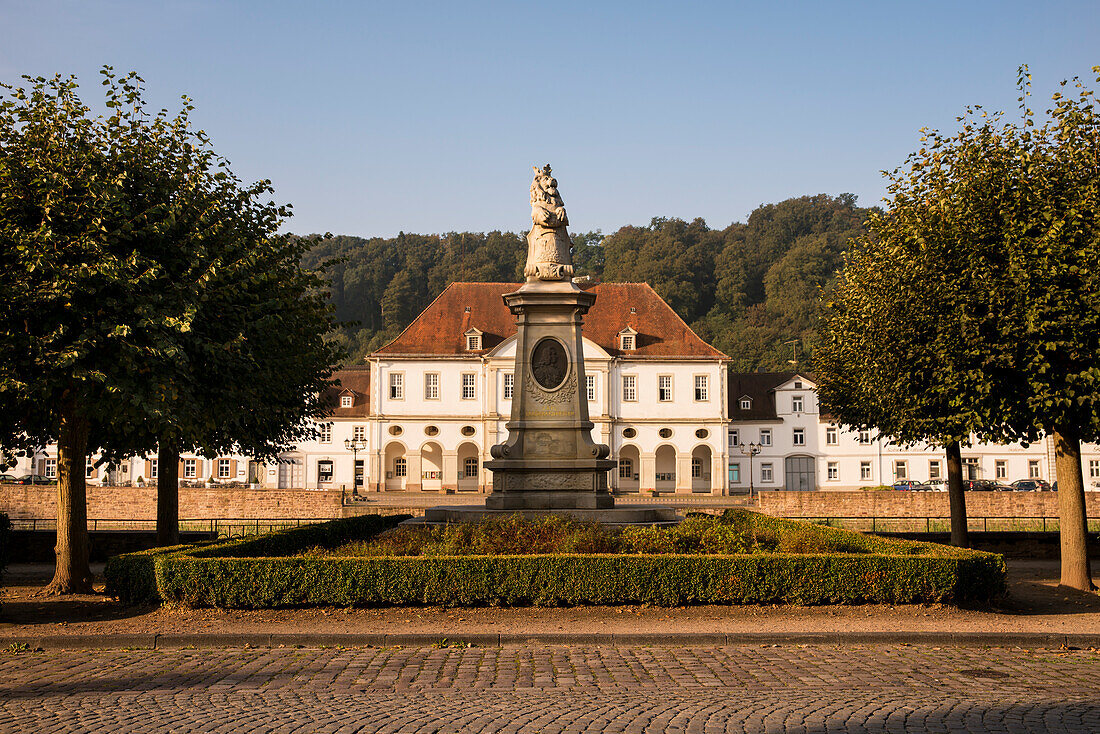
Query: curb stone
(687, 639)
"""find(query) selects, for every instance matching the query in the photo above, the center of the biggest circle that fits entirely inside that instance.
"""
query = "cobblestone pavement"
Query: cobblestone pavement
(808, 689)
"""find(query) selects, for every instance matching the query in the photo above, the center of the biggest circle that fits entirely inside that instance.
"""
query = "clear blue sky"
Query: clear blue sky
(372, 118)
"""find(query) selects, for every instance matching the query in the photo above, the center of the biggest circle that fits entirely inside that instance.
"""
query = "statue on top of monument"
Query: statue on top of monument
(548, 243)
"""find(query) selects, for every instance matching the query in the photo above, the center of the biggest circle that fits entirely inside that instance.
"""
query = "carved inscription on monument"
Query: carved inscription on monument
(549, 363)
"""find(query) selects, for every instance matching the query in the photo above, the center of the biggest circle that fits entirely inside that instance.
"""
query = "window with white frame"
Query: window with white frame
(701, 388)
(864, 470)
(797, 385)
(590, 388)
(626, 468)
(696, 468)
(1000, 469)
(796, 404)
(469, 385)
(1094, 469)
(324, 432)
(833, 469)
(400, 466)
(765, 437)
(746, 403)
(627, 342)
(154, 468)
(664, 388)
(359, 433)
(397, 386)
(189, 468)
(324, 470)
(473, 342)
(50, 469)
(766, 473)
(735, 437)
(469, 468)
(1033, 469)
(798, 438)
(735, 473)
(901, 470)
(865, 437)
(630, 388)
(431, 386)
(509, 385)
(832, 436)
(223, 468)
(934, 469)
(346, 401)
(89, 467)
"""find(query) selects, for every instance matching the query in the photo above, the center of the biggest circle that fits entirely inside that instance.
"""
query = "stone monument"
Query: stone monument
(549, 462)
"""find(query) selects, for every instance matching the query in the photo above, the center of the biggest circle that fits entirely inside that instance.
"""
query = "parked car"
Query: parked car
(9, 479)
(936, 485)
(1031, 485)
(979, 485)
(35, 479)
(908, 485)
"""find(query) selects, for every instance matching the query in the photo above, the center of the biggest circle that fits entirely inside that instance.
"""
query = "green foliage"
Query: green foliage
(747, 289)
(861, 569)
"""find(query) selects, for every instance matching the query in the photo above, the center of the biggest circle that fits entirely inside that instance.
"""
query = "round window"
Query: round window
(665, 433)
(431, 430)
(702, 433)
(396, 430)
(629, 433)
(468, 430)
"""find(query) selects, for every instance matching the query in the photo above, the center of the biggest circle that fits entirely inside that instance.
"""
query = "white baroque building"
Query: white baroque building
(423, 412)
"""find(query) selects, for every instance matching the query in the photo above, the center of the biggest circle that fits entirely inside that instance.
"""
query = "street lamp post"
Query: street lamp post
(354, 447)
(750, 450)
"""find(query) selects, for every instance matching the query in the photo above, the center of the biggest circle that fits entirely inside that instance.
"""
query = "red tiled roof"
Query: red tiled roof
(439, 329)
(356, 380)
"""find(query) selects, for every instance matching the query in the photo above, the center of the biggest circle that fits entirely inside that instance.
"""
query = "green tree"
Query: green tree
(116, 231)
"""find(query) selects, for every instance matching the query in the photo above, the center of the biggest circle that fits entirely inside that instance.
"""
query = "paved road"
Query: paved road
(888, 688)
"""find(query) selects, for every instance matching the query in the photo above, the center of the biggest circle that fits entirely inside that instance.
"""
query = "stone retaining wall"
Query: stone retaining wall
(140, 503)
(889, 503)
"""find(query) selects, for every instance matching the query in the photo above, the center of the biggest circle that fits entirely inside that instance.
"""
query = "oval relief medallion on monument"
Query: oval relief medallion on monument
(549, 363)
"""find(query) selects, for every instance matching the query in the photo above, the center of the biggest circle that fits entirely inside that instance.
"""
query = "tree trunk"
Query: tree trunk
(72, 575)
(1072, 522)
(956, 496)
(168, 494)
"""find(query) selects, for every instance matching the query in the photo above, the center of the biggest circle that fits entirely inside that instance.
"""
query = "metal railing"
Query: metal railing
(240, 527)
(222, 527)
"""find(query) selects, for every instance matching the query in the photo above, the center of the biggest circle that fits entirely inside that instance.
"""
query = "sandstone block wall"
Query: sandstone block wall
(140, 503)
(858, 503)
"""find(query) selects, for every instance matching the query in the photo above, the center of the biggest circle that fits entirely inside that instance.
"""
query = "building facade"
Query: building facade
(423, 412)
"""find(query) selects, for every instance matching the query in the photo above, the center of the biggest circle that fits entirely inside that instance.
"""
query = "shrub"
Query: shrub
(690, 564)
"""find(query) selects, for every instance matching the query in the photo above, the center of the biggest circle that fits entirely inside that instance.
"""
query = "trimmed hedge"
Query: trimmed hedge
(236, 574)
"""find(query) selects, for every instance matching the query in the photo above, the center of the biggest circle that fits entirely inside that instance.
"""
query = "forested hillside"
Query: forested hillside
(749, 289)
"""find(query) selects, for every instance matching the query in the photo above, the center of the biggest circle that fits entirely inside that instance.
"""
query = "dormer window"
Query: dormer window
(473, 340)
(628, 339)
(746, 403)
(347, 401)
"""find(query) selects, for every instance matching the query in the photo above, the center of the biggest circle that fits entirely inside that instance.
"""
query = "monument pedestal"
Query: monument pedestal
(549, 462)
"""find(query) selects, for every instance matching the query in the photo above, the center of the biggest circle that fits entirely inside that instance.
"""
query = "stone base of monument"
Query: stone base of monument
(616, 516)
